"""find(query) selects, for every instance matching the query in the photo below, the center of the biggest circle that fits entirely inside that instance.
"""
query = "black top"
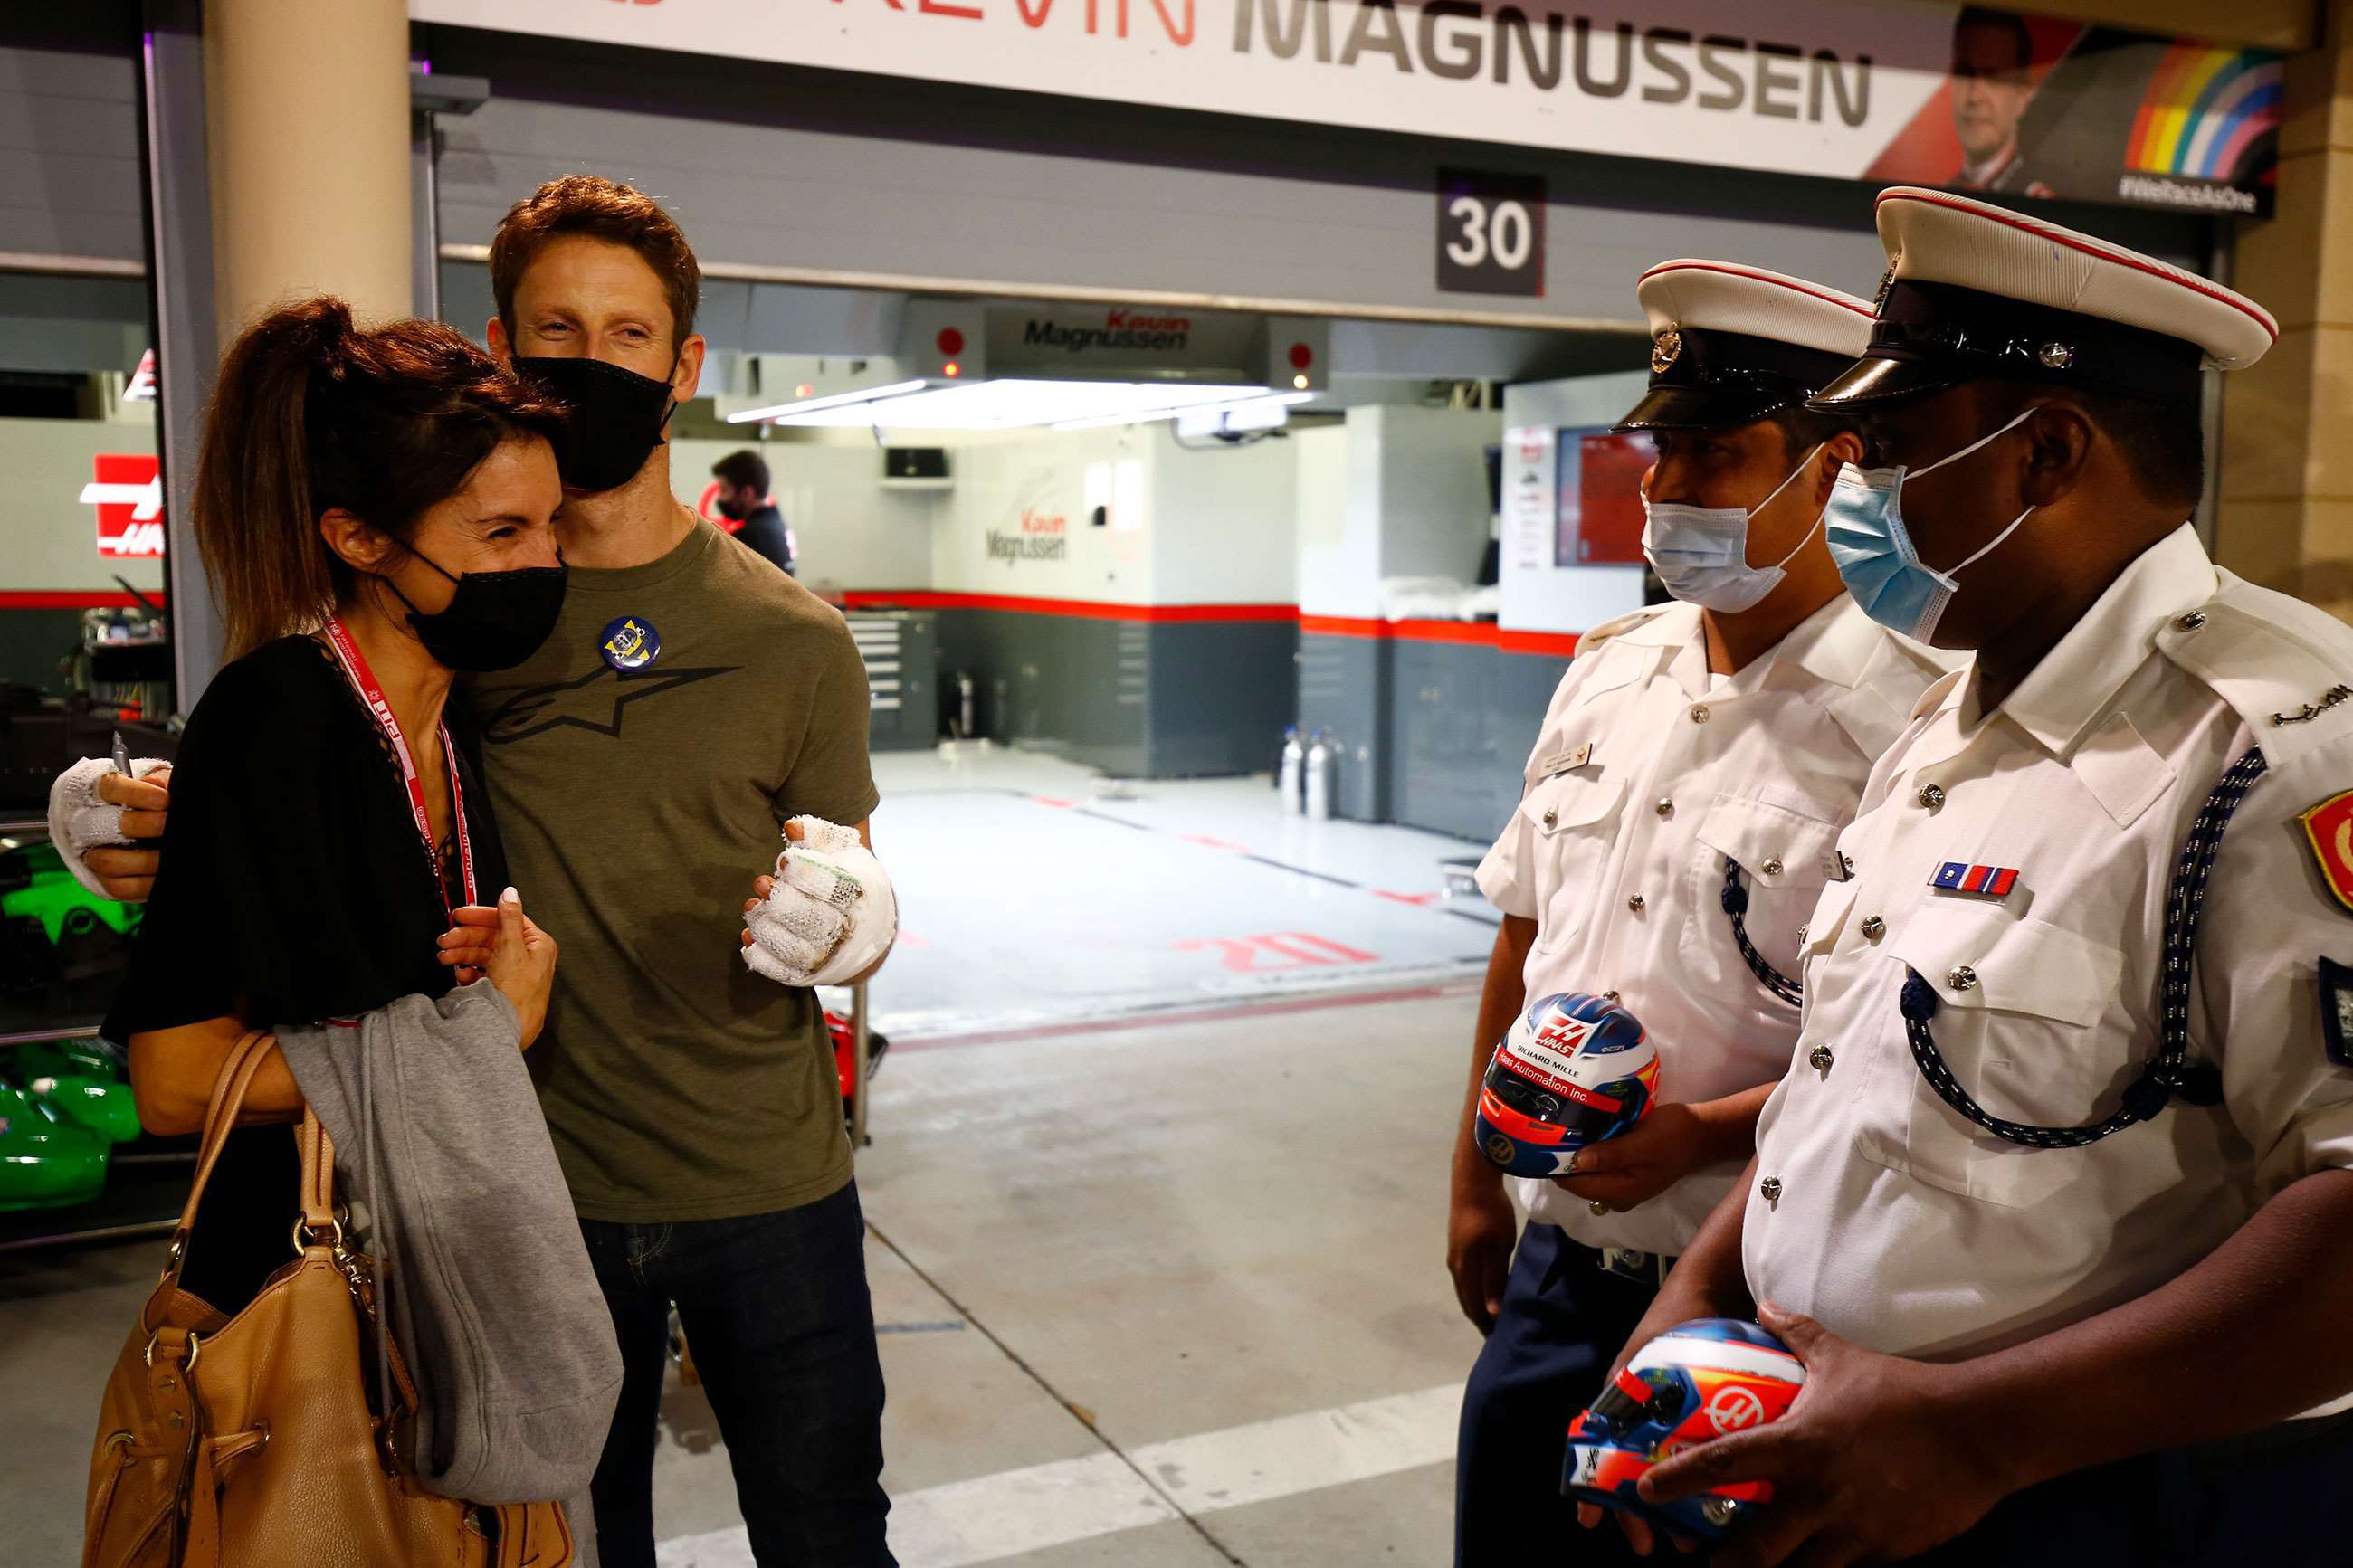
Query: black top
(293, 889)
(764, 534)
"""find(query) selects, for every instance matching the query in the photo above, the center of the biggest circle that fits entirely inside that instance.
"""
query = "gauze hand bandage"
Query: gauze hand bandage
(80, 822)
(832, 914)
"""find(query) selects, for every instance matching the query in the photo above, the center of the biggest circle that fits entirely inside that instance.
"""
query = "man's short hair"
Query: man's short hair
(1803, 429)
(2020, 36)
(740, 469)
(598, 208)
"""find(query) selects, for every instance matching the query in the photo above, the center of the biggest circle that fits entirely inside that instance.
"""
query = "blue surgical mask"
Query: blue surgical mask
(1701, 552)
(1874, 552)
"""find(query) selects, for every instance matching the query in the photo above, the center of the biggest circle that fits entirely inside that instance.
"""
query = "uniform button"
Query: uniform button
(1820, 1058)
(1609, 996)
(1770, 1189)
(1637, 904)
(1552, 819)
(1597, 1207)
(1961, 977)
(1802, 934)
(1932, 795)
(1772, 867)
(1699, 713)
(1874, 927)
(2191, 622)
(1666, 806)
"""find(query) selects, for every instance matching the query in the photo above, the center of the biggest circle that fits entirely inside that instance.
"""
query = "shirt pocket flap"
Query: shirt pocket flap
(1976, 956)
(1777, 845)
(1576, 798)
(1828, 920)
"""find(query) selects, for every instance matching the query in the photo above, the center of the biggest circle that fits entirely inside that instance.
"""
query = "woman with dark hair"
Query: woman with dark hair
(375, 510)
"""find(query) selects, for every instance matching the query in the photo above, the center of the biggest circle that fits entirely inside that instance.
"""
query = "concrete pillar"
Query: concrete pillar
(307, 110)
(2286, 517)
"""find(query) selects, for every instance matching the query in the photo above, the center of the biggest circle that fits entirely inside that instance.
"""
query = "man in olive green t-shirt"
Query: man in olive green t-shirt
(635, 807)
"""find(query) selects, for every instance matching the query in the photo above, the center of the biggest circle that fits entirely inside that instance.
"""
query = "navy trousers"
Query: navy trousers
(1563, 1323)
(2268, 1499)
(776, 1313)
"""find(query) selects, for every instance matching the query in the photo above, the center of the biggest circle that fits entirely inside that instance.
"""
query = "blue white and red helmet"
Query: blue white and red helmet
(1573, 1070)
(1696, 1382)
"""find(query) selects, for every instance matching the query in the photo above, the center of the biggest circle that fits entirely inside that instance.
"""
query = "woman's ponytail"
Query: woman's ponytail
(255, 523)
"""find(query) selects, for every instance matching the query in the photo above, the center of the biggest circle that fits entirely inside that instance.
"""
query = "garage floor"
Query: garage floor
(1136, 1306)
(1029, 897)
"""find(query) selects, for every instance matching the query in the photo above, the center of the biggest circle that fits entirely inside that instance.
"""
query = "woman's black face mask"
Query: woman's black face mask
(495, 620)
(618, 417)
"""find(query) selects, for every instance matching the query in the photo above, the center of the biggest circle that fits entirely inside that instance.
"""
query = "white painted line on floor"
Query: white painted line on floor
(1268, 1459)
(989, 1518)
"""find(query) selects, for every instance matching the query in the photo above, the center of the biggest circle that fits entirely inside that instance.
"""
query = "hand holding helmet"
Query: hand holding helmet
(1697, 1382)
(1574, 1070)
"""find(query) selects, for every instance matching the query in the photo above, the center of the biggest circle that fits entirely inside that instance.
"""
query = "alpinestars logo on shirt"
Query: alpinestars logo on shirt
(594, 702)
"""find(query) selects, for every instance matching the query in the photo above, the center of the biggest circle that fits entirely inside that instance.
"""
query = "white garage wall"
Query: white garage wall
(1228, 523)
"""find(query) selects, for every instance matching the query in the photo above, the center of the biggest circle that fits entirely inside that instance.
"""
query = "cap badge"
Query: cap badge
(2056, 356)
(1665, 349)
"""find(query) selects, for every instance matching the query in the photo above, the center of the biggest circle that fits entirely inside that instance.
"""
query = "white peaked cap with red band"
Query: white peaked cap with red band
(1731, 343)
(1975, 291)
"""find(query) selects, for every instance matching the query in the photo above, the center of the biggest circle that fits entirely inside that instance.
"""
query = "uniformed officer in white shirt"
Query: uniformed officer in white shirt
(2058, 1175)
(1692, 775)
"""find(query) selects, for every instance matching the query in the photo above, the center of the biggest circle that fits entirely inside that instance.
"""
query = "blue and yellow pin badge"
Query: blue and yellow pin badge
(630, 643)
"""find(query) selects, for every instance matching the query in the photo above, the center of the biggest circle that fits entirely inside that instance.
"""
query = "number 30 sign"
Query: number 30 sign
(1491, 234)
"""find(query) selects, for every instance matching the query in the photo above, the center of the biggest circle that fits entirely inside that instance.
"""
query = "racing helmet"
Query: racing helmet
(1573, 1069)
(1697, 1380)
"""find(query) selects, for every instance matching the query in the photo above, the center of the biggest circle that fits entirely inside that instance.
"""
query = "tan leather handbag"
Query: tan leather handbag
(247, 1442)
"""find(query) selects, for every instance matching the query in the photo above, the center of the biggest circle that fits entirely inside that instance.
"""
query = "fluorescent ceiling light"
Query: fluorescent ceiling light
(1011, 403)
(1260, 413)
(783, 413)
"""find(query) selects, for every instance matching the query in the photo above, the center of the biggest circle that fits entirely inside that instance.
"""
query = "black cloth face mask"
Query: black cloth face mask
(618, 417)
(733, 512)
(496, 619)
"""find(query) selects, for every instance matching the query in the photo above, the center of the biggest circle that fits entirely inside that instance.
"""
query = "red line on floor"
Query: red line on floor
(1212, 1012)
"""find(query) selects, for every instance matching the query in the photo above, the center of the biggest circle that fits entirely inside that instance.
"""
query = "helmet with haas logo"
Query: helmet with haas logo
(1697, 1380)
(1573, 1070)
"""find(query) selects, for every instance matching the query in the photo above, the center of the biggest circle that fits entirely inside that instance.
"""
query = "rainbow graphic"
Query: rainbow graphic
(2205, 112)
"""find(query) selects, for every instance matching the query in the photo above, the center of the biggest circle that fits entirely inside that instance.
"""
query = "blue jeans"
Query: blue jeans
(782, 1329)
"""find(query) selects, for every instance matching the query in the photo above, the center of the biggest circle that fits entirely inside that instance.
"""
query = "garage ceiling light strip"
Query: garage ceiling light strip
(831, 400)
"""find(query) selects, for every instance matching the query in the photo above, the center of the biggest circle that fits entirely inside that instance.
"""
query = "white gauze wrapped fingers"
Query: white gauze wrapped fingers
(80, 822)
(832, 914)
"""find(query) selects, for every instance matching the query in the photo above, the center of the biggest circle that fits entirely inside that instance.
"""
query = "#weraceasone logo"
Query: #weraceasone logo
(129, 494)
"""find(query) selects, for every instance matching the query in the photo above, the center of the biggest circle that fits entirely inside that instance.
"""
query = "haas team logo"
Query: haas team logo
(129, 494)
(1734, 1407)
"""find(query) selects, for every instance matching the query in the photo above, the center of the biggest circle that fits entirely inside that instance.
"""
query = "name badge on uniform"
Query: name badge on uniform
(1562, 761)
(1982, 881)
(1837, 868)
(2337, 1012)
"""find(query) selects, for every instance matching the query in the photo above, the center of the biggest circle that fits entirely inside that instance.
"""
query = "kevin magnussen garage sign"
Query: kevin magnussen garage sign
(1932, 94)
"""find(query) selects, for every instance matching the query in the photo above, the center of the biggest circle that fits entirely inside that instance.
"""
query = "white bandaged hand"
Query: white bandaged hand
(80, 822)
(832, 914)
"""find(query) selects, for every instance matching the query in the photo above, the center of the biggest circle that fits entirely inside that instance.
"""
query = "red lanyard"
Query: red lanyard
(363, 680)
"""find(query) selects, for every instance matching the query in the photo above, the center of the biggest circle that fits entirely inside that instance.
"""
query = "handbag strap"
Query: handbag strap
(230, 1086)
(318, 1193)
